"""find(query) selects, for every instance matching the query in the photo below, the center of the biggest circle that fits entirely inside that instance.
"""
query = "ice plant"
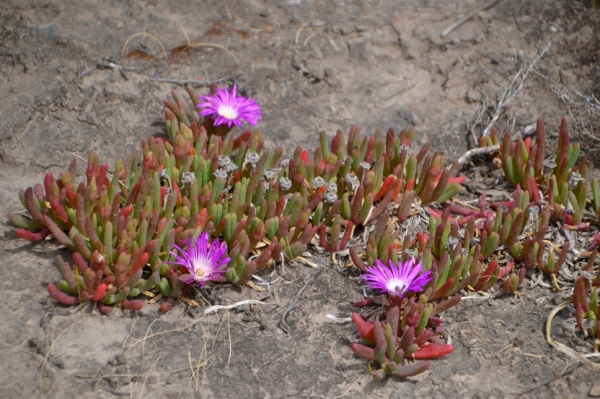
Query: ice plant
(397, 279)
(203, 261)
(125, 227)
(227, 108)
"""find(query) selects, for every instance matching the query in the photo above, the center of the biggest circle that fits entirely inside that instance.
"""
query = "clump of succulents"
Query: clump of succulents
(202, 206)
(585, 302)
(201, 181)
(474, 248)
(565, 193)
(411, 326)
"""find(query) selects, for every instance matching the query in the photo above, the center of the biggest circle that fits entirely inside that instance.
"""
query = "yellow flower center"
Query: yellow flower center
(202, 267)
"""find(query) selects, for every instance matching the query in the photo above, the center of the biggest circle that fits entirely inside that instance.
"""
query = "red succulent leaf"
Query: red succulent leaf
(363, 351)
(527, 143)
(32, 236)
(433, 351)
(387, 183)
(506, 269)
(100, 291)
(410, 370)
(105, 309)
(363, 302)
(457, 179)
(304, 156)
(61, 297)
(365, 327)
(580, 300)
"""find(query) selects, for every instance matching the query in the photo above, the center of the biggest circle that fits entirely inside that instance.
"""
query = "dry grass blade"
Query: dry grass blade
(149, 329)
(187, 38)
(276, 297)
(306, 22)
(142, 34)
(564, 348)
(163, 332)
(50, 350)
(229, 336)
(377, 6)
(146, 377)
(200, 364)
(353, 384)
(155, 298)
(189, 47)
(306, 262)
(218, 331)
(193, 376)
(321, 32)
(254, 286)
(189, 301)
(267, 28)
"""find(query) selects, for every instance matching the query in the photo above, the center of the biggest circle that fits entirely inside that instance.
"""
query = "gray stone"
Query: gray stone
(595, 391)
(358, 51)
(409, 116)
(473, 96)
(332, 79)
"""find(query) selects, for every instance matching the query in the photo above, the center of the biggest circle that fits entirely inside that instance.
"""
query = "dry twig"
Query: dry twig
(563, 348)
(468, 17)
(477, 151)
(512, 90)
(403, 89)
(197, 83)
(283, 324)
(237, 304)
(494, 148)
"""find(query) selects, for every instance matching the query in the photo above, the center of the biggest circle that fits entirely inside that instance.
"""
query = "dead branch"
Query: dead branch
(494, 148)
(282, 323)
(467, 17)
(197, 83)
(512, 90)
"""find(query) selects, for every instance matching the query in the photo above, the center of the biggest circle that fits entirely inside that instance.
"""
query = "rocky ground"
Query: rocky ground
(91, 75)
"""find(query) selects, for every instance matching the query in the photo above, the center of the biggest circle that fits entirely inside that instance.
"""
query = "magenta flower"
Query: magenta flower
(225, 107)
(203, 260)
(397, 279)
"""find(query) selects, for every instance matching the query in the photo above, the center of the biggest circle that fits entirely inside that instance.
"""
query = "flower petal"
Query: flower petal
(397, 279)
(227, 108)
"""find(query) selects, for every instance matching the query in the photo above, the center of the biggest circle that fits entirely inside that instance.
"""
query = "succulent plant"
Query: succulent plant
(410, 331)
(585, 302)
(523, 164)
(199, 193)
(199, 181)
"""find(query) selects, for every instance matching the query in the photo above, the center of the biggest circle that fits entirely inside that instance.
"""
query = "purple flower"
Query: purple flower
(397, 279)
(225, 107)
(202, 260)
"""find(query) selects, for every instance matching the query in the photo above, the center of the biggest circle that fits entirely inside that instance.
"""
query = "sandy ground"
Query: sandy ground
(91, 75)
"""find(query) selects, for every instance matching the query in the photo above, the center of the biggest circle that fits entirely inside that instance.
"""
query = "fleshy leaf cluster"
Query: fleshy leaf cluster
(232, 188)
